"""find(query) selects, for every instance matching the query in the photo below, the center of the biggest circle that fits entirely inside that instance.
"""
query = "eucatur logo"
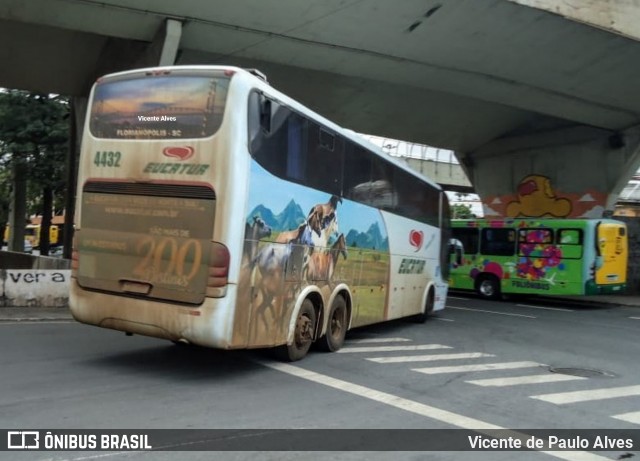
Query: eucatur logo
(416, 238)
(179, 152)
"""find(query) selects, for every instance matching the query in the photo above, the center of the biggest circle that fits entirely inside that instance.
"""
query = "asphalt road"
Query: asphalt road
(517, 365)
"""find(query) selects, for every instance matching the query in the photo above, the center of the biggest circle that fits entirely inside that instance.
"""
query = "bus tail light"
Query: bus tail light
(75, 259)
(218, 270)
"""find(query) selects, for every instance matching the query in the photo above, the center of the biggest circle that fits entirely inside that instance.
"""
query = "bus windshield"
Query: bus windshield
(159, 107)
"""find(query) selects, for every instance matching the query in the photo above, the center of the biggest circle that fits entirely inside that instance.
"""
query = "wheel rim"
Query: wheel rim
(336, 325)
(304, 331)
(486, 288)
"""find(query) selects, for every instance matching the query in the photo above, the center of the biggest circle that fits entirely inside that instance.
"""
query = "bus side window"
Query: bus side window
(570, 236)
(570, 242)
(278, 145)
(498, 242)
(357, 174)
(324, 160)
(468, 237)
(383, 193)
(255, 116)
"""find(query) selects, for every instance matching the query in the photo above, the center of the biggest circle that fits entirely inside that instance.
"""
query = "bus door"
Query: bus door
(611, 247)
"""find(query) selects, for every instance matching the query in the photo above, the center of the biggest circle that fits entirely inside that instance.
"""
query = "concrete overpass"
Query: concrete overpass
(537, 97)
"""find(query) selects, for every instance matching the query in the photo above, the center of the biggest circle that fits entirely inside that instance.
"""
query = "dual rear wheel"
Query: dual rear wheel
(305, 328)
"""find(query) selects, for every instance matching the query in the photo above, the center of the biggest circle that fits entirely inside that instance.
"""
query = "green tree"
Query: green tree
(461, 211)
(33, 144)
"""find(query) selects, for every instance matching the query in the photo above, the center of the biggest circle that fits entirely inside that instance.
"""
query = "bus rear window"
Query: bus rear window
(159, 107)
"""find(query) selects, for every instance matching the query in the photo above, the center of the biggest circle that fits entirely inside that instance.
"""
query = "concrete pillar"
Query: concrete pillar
(163, 50)
(173, 33)
(571, 172)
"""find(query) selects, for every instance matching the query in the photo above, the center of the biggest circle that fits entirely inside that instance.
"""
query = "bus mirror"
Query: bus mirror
(455, 248)
(265, 114)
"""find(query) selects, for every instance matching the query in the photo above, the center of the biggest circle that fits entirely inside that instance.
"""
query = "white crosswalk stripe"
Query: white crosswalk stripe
(420, 347)
(379, 340)
(477, 367)
(633, 417)
(563, 398)
(520, 380)
(373, 345)
(429, 358)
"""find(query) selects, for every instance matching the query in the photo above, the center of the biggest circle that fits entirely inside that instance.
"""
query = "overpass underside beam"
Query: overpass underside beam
(569, 173)
(120, 54)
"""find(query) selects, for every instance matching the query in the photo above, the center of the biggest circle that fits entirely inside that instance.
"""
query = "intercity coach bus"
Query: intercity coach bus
(214, 210)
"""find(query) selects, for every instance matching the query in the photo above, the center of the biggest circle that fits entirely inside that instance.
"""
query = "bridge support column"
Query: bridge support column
(169, 40)
(573, 172)
(163, 50)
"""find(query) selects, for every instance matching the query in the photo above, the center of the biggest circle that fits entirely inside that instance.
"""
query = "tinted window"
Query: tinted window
(281, 147)
(498, 242)
(299, 150)
(357, 173)
(468, 236)
(324, 160)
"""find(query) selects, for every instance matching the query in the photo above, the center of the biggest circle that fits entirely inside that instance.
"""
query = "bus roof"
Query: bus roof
(524, 222)
(262, 84)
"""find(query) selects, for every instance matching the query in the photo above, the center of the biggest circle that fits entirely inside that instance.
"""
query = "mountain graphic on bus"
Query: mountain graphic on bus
(291, 217)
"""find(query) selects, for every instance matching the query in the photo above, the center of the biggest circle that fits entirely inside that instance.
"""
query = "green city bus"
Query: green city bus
(538, 256)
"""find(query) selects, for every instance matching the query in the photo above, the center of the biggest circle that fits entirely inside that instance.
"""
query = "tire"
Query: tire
(428, 308)
(488, 287)
(302, 336)
(337, 325)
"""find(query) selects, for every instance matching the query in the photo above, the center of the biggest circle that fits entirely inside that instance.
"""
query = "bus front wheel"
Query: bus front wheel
(302, 336)
(488, 287)
(337, 326)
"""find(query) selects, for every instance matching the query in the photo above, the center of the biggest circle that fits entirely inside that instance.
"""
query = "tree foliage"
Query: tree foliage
(461, 211)
(34, 135)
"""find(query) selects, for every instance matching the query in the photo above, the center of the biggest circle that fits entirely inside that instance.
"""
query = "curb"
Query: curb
(35, 314)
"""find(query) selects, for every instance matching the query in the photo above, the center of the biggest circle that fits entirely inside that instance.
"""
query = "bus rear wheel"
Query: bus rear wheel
(337, 326)
(302, 336)
(488, 287)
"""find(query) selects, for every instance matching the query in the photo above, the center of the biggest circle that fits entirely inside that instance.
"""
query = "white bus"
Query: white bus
(214, 210)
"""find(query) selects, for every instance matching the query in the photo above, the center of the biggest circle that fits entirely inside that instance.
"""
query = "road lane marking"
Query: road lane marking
(429, 358)
(518, 380)
(379, 340)
(633, 417)
(635, 318)
(477, 367)
(491, 312)
(563, 398)
(419, 347)
(428, 411)
(443, 319)
(546, 308)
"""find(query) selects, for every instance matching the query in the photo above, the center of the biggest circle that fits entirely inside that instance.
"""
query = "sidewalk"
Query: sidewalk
(604, 300)
(34, 314)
